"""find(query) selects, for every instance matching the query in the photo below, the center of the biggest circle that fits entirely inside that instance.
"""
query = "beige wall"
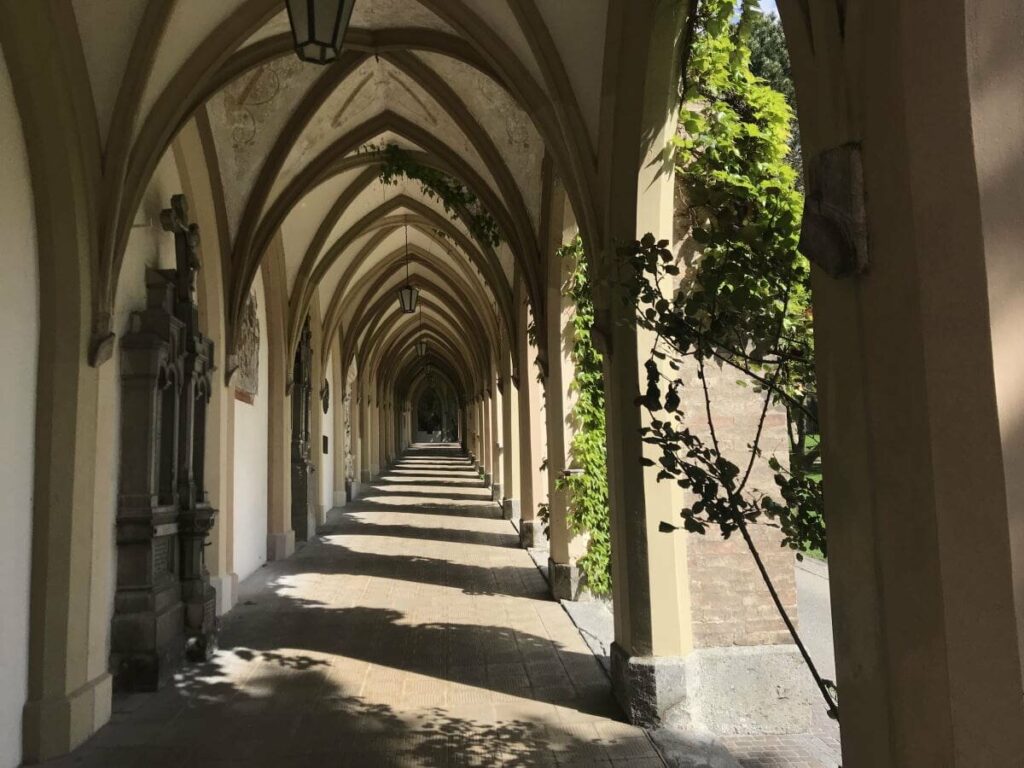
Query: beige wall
(251, 446)
(19, 350)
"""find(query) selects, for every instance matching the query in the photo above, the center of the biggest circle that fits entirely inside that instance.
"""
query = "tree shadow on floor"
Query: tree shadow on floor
(269, 703)
(419, 505)
(353, 525)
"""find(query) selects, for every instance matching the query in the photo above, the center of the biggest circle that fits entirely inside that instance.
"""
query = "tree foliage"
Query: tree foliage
(587, 501)
(769, 60)
(743, 301)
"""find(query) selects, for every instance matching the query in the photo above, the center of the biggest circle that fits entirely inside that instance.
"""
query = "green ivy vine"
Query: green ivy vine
(455, 196)
(587, 502)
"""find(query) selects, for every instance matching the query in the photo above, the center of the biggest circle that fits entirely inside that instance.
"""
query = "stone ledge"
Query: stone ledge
(738, 690)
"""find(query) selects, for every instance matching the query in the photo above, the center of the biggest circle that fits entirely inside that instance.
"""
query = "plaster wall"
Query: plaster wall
(251, 446)
(327, 430)
(19, 348)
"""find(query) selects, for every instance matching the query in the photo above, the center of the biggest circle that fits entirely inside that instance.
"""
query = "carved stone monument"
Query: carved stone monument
(303, 487)
(164, 604)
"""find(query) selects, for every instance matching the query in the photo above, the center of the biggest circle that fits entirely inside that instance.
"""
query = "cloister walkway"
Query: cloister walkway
(413, 632)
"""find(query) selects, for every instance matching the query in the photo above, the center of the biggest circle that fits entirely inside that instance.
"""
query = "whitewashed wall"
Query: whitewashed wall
(19, 349)
(251, 436)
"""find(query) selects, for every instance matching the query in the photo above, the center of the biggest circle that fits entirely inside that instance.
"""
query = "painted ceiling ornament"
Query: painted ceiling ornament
(318, 28)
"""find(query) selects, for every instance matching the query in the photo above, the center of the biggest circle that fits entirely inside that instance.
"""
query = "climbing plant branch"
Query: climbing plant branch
(587, 501)
(455, 196)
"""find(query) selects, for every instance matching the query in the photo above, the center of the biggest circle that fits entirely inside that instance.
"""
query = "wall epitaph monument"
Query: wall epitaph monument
(304, 488)
(164, 604)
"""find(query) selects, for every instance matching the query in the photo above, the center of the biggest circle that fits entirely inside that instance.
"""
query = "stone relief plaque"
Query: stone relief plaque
(247, 383)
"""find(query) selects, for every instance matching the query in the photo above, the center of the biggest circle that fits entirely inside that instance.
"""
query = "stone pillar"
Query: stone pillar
(565, 546)
(512, 488)
(69, 686)
(365, 430)
(526, 423)
(356, 441)
(669, 660)
(919, 377)
(487, 443)
(373, 436)
(532, 446)
(340, 414)
(497, 437)
(280, 535)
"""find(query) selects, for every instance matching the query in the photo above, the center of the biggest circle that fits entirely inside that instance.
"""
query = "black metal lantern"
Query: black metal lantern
(421, 347)
(408, 295)
(318, 28)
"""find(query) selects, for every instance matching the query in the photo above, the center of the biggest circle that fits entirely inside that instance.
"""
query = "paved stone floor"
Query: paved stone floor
(415, 632)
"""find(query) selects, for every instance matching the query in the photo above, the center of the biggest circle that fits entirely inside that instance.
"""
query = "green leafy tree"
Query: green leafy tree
(742, 302)
(769, 60)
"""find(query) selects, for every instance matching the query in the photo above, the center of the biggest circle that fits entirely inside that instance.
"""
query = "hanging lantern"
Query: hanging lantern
(421, 348)
(408, 295)
(408, 298)
(318, 28)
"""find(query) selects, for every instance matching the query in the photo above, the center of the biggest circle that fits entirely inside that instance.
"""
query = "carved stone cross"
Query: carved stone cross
(186, 243)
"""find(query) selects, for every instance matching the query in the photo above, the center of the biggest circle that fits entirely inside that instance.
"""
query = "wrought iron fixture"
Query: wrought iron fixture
(318, 28)
(408, 294)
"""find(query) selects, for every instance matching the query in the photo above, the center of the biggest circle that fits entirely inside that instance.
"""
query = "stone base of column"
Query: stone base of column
(528, 533)
(487, 479)
(226, 585)
(510, 509)
(280, 545)
(496, 492)
(53, 727)
(740, 690)
(364, 476)
(355, 490)
(565, 580)
(340, 498)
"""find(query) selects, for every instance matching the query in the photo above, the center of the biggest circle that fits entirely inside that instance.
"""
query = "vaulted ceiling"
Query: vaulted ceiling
(498, 94)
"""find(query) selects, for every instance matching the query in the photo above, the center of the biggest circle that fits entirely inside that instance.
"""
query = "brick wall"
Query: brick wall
(730, 603)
